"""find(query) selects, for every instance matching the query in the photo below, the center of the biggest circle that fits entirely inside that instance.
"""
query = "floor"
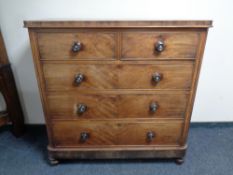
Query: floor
(210, 152)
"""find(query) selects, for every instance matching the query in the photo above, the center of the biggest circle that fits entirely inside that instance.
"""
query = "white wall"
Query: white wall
(214, 100)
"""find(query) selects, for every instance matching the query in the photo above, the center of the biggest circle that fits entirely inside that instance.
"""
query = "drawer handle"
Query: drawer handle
(79, 78)
(157, 77)
(159, 46)
(81, 109)
(77, 46)
(154, 107)
(150, 135)
(84, 136)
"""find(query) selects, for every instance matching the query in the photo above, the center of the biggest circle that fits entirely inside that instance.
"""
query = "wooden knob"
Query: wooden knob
(153, 107)
(81, 109)
(159, 46)
(84, 136)
(76, 47)
(157, 77)
(79, 78)
(150, 135)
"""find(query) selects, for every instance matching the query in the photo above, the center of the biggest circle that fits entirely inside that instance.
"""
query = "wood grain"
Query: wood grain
(119, 24)
(117, 76)
(116, 132)
(118, 60)
(141, 45)
(3, 53)
(102, 106)
(95, 45)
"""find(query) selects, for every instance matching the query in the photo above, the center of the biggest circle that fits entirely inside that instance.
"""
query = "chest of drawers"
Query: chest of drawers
(117, 89)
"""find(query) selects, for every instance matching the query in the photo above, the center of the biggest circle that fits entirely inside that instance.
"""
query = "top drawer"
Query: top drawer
(156, 45)
(77, 45)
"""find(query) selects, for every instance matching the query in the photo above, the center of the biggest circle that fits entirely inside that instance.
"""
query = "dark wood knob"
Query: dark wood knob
(157, 77)
(79, 78)
(81, 109)
(159, 46)
(150, 135)
(77, 46)
(84, 136)
(153, 107)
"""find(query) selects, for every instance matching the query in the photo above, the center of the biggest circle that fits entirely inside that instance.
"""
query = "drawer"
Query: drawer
(159, 45)
(77, 105)
(117, 76)
(77, 45)
(115, 132)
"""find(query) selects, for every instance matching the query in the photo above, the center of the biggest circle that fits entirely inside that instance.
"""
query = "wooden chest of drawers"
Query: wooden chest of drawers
(117, 89)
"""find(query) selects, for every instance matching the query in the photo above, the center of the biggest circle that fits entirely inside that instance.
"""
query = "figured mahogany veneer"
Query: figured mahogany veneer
(117, 89)
(114, 75)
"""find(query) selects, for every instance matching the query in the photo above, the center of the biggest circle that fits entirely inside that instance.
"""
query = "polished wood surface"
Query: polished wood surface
(141, 45)
(114, 75)
(13, 112)
(119, 89)
(119, 24)
(115, 105)
(67, 133)
(3, 54)
(95, 45)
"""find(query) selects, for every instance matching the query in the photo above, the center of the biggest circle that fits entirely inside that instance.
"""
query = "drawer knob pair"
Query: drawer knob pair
(76, 47)
(81, 109)
(84, 136)
(159, 46)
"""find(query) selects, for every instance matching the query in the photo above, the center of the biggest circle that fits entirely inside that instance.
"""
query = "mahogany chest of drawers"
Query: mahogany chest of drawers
(117, 89)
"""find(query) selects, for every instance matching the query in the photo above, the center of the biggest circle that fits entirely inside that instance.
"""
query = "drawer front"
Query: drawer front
(121, 76)
(94, 106)
(75, 46)
(94, 133)
(159, 45)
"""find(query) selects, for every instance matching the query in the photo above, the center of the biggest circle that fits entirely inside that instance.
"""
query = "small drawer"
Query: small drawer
(159, 45)
(117, 76)
(77, 45)
(154, 105)
(115, 132)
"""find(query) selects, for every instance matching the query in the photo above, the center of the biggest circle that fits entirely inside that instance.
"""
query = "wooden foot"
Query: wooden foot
(53, 161)
(179, 161)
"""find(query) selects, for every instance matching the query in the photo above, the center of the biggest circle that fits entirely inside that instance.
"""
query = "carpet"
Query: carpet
(210, 152)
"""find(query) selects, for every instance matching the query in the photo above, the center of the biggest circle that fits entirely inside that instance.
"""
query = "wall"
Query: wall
(214, 95)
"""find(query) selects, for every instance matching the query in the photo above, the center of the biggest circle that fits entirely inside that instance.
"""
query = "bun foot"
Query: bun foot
(179, 161)
(53, 161)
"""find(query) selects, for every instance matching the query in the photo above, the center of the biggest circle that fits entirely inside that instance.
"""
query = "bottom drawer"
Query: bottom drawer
(84, 133)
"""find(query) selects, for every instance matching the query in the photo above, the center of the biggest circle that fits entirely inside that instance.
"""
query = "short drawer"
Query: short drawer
(159, 45)
(77, 45)
(117, 76)
(115, 132)
(76, 105)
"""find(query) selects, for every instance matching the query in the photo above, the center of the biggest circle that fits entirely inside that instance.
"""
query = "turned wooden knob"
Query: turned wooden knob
(153, 107)
(157, 77)
(76, 47)
(79, 78)
(81, 109)
(150, 135)
(159, 46)
(84, 136)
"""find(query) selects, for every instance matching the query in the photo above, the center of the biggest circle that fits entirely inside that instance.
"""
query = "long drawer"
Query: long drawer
(77, 105)
(112, 132)
(117, 76)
